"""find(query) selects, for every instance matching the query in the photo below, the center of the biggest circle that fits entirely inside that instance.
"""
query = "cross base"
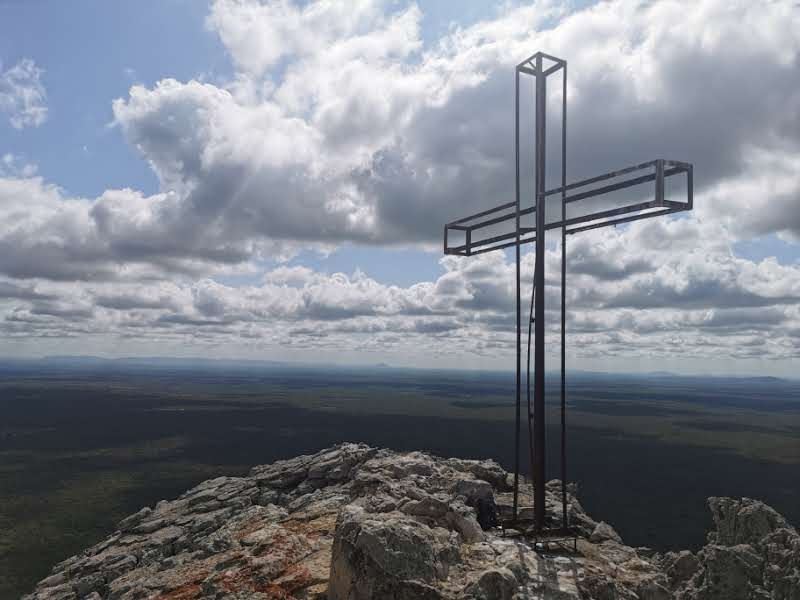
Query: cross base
(543, 537)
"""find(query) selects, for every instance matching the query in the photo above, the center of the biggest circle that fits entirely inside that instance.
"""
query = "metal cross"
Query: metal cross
(503, 227)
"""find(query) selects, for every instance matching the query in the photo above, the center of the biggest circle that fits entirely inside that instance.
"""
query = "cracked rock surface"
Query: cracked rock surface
(354, 522)
(754, 553)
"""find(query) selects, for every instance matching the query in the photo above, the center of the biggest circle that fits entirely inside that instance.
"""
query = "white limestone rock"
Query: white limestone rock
(353, 522)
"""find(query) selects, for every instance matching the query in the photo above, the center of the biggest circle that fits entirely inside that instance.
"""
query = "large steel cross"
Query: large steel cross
(504, 226)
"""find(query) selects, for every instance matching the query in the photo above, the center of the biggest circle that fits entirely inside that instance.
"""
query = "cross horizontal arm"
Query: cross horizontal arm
(474, 230)
(673, 164)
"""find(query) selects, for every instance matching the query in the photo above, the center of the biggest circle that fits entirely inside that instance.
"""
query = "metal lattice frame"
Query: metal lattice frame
(479, 234)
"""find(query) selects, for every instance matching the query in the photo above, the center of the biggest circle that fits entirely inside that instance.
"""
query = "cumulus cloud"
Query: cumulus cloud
(363, 135)
(700, 300)
(764, 198)
(341, 126)
(122, 234)
(259, 34)
(22, 95)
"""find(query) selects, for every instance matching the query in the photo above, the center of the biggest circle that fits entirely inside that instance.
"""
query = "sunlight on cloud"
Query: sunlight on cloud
(341, 126)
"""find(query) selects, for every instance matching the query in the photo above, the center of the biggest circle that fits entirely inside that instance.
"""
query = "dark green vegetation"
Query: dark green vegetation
(83, 444)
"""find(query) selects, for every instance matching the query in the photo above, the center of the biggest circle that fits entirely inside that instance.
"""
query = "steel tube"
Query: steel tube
(552, 69)
(498, 238)
(673, 170)
(482, 213)
(657, 213)
(519, 339)
(621, 185)
(560, 61)
(603, 177)
(564, 522)
(528, 384)
(496, 220)
(538, 326)
(501, 247)
(458, 225)
(670, 207)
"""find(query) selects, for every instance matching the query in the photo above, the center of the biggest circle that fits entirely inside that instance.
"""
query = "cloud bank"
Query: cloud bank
(342, 125)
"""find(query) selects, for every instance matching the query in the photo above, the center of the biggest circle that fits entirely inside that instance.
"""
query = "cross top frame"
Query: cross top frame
(584, 205)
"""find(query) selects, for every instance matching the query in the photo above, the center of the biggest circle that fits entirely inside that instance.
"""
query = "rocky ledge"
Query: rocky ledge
(354, 522)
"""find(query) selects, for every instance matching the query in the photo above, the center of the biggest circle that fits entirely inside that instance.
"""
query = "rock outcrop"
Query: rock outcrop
(354, 522)
(754, 553)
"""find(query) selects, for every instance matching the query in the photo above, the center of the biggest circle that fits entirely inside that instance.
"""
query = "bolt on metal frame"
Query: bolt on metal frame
(509, 216)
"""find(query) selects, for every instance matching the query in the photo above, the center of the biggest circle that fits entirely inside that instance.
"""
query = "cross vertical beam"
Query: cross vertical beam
(564, 300)
(538, 312)
(519, 313)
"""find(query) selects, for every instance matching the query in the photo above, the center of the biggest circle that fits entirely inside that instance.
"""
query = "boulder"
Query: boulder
(743, 521)
(752, 553)
(385, 556)
(604, 532)
(680, 566)
(493, 584)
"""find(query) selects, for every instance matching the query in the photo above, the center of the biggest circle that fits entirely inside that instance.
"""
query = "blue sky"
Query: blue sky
(256, 179)
(92, 52)
(142, 43)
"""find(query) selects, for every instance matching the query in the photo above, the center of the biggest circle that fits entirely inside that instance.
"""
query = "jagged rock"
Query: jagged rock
(730, 572)
(652, 590)
(744, 521)
(493, 584)
(781, 552)
(378, 556)
(353, 522)
(604, 532)
(754, 553)
(680, 567)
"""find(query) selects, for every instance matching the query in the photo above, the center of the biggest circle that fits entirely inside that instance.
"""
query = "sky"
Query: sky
(269, 180)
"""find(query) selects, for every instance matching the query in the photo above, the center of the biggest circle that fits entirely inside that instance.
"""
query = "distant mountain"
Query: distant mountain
(160, 362)
(661, 374)
(167, 362)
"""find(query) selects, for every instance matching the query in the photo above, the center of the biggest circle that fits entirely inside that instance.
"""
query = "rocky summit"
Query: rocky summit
(354, 522)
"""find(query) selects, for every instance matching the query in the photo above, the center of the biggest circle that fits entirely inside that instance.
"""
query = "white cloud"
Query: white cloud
(764, 198)
(15, 166)
(349, 130)
(699, 301)
(363, 136)
(259, 34)
(341, 126)
(22, 95)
